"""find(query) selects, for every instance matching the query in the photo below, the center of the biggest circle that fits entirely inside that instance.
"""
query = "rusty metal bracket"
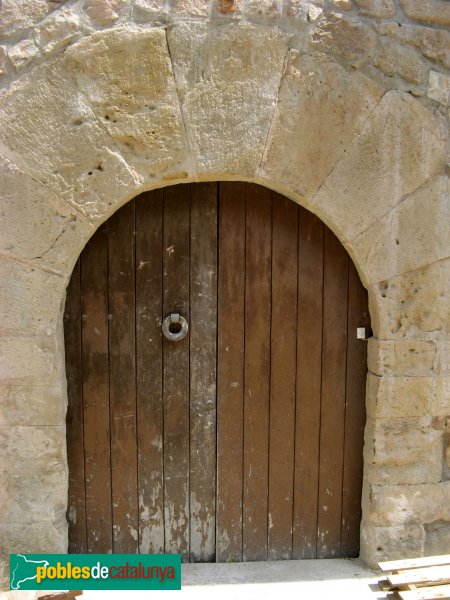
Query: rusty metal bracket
(228, 6)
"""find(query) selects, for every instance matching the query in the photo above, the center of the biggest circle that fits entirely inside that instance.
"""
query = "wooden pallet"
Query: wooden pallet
(425, 578)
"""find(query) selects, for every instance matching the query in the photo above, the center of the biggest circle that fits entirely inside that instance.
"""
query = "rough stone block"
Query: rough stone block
(228, 77)
(17, 16)
(30, 299)
(394, 60)
(73, 154)
(267, 9)
(32, 405)
(40, 360)
(439, 87)
(22, 54)
(401, 147)
(29, 447)
(434, 43)
(36, 224)
(376, 8)
(429, 11)
(27, 496)
(414, 304)
(149, 10)
(320, 108)
(103, 12)
(403, 451)
(351, 40)
(409, 504)
(38, 537)
(132, 91)
(404, 358)
(57, 31)
(195, 8)
(403, 240)
(400, 397)
(437, 537)
(391, 543)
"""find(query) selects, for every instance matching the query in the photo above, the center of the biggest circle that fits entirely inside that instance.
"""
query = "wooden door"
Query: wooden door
(243, 440)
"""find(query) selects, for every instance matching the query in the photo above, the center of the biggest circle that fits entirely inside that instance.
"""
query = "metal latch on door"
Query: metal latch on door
(175, 327)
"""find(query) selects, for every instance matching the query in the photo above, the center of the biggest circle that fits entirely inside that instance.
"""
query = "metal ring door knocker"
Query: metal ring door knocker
(175, 327)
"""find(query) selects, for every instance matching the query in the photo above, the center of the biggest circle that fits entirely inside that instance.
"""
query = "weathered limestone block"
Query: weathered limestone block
(51, 133)
(399, 397)
(17, 16)
(195, 8)
(376, 8)
(413, 305)
(391, 543)
(403, 451)
(434, 43)
(40, 360)
(405, 63)
(149, 10)
(126, 74)
(401, 147)
(303, 6)
(410, 504)
(352, 40)
(321, 107)
(406, 358)
(429, 11)
(403, 240)
(29, 299)
(439, 87)
(31, 447)
(437, 537)
(37, 537)
(31, 405)
(57, 31)
(36, 224)
(33, 495)
(228, 77)
(103, 12)
(22, 54)
(268, 9)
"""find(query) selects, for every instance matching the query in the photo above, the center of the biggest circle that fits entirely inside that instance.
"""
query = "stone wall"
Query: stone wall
(342, 105)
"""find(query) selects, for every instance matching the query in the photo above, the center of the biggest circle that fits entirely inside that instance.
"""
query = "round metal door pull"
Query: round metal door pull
(175, 327)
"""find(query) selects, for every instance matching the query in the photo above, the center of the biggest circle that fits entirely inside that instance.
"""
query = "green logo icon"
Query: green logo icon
(95, 571)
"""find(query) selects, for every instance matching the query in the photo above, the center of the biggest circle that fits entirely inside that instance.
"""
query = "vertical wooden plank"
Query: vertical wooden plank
(333, 397)
(230, 371)
(76, 504)
(121, 287)
(257, 370)
(203, 333)
(355, 415)
(176, 371)
(283, 375)
(309, 375)
(94, 301)
(149, 213)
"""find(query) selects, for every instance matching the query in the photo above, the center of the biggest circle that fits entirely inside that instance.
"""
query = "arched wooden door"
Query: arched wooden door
(242, 441)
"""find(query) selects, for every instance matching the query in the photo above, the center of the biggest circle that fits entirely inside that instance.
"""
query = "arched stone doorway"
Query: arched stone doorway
(243, 439)
(153, 98)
